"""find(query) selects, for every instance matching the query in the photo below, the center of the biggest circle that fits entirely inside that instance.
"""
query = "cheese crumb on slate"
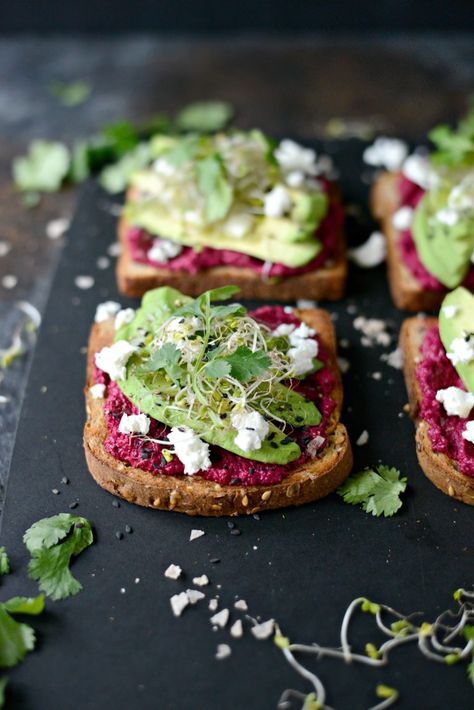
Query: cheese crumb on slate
(371, 253)
(194, 595)
(106, 310)
(195, 534)
(179, 602)
(363, 438)
(373, 330)
(343, 364)
(57, 227)
(241, 604)
(201, 581)
(84, 282)
(213, 604)
(223, 651)
(237, 630)
(221, 618)
(173, 572)
(394, 359)
(97, 391)
(264, 630)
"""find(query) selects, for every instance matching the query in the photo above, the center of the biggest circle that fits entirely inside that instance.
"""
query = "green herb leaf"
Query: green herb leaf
(470, 670)
(43, 169)
(4, 562)
(245, 364)
(114, 178)
(205, 116)
(122, 137)
(455, 146)
(52, 543)
(196, 307)
(16, 639)
(377, 490)
(71, 93)
(25, 605)
(166, 358)
(218, 368)
(215, 187)
(3, 685)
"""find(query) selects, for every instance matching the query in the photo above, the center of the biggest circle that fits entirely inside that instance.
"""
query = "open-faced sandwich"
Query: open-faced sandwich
(439, 372)
(233, 208)
(427, 215)
(212, 410)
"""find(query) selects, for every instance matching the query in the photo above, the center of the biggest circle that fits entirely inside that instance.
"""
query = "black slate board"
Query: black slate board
(104, 648)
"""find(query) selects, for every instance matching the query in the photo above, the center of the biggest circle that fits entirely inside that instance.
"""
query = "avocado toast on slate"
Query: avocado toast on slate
(427, 215)
(210, 410)
(439, 373)
(233, 208)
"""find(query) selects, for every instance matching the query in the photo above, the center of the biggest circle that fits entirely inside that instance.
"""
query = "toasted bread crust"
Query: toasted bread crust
(196, 496)
(407, 292)
(325, 283)
(440, 469)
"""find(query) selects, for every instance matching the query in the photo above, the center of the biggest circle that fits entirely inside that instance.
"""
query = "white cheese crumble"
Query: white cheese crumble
(343, 364)
(241, 605)
(468, 432)
(264, 630)
(461, 350)
(201, 581)
(394, 359)
(374, 330)
(237, 629)
(371, 253)
(447, 216)
(386, 152)
(57, 227)
(113, 359)
(223, 651)
(456, 402)
(190, 450)
(194, 595)
(306, 303)
(450, 311)
(213, 604)
(363, 438)
(238, 225)
(134, 424)
(195, 534)
(403, 218)
(124, 317)
(5, 248)
(173, 571)
(97, 391)
(220, 619)
(418, 169)
(106, 310)
(303, 349)
(84, 282)
(179, 602)
(163, 250)
(292, 156)
(277, 202)
(252, 429)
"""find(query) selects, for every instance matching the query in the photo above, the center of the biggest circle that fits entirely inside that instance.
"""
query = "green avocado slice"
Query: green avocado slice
(459, 323)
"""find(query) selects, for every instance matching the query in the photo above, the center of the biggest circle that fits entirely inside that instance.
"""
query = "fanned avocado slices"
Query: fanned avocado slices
(456, 320)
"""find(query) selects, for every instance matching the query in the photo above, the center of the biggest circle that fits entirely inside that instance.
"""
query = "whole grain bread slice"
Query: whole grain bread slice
(407, 292)
(440, 469)
(196, 496)
(324, 283)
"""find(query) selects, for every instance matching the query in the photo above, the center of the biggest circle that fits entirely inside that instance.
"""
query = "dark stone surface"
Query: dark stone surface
(401, 85)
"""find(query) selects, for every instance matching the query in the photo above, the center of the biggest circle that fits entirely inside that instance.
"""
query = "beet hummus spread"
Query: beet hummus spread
(192, 261)
(410, 195)
(435, 372)
(227, 467)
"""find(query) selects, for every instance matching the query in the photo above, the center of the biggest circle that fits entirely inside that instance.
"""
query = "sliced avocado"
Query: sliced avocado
(459, 325)
(308, 207)
(444, 250)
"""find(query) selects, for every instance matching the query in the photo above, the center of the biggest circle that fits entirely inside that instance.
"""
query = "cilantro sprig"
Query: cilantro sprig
(52, 542)
(377, 490)
(4, 562)
(16, 638)
(455, 146)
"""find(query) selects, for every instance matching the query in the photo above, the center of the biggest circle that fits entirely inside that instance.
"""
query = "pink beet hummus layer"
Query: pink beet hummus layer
(227, 468)
(410, 195)
(192, 261)
(435, 372)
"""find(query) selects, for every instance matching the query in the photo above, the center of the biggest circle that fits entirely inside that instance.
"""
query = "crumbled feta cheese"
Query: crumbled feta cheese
(403, 218)
(447, 216)
(241, 605)
(468, 432)
(292, 156)
(213, 604)
(374, 330)
(103, 262)
(456, 402)
(394, 359)
(223, 651)
(190, 449)
(113, 359)
(237, 629)
(363, 438)
(302, 332)
(195, 534)
(283, 329)
(179, 602)
(124, 317)
(385, 152)
(303, 349)
(106, 310)
(57, 227)
(163, 167)
(461, 350)
(264, 630)
(201, 581)
(295, 179)
(238, 225)
(194, 595)
(220, 619)
(418, 169)
(306, 303)
(276, 202)
(343, 364)
(97, 391)
(315, 445)
(84, 282)
(371, 253)
(5, 248)
(114, 249)
(450, 311)
(162, 250)
(173, 571)
(252, 429)
(134, 424)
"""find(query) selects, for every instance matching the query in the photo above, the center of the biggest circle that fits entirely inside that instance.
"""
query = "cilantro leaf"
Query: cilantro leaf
(214, 186)
(165, 358)
(4, 562)
(121, 136)
(114, 178)
(16, 639)
(70, 93)
(197, 305)
(43, 169)
(52, 543)
(455, 146)
(218, 368)
(25, 605)
(245, 364)
(204, 116)
(377, 490)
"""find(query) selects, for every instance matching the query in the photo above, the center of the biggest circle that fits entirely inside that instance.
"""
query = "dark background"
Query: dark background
(218, 16)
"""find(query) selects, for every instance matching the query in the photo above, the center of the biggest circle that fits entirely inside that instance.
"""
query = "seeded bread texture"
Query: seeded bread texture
(196, 496)
(325, 283)
(440, 469)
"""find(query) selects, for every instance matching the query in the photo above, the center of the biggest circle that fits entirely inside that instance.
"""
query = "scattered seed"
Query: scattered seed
(73, 505)
(119, 534)
(230, 524)
(128, 529)
(65, 480)
(235, 531)
(55, 491)
(214, 560)
(116, 504)
(223, 651)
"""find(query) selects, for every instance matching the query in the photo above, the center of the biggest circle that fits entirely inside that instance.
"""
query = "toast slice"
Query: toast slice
(196, 496)
(440, 469)
(325, 283)
(407, 292)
